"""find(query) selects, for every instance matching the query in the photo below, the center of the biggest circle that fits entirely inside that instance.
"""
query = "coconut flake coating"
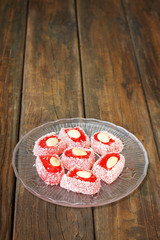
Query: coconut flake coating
(78, 162)
(102, 148)
(70, 143)
(79, 186)
(48, 177)
(57, 149)
(109, 176)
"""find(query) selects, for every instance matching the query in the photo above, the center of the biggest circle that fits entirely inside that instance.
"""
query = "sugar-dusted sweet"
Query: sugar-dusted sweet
(50, 169)
(74, 137)
(81, 181)
(105, 142)
(109, 167)
(81, 158)
(49, 144)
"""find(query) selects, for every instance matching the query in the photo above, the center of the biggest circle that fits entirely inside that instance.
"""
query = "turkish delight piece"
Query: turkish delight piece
(74, 137)
(109, 167)
(105, 142)
(49, 144)
(81, 181)
(81, 158)
(49, 169)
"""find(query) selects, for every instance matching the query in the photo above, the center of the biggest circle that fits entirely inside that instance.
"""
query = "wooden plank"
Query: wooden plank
(143, 20)
(51, 90)
(12, 38)
(113, 92)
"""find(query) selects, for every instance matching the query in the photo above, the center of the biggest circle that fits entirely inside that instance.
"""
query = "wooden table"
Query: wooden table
(93, 59)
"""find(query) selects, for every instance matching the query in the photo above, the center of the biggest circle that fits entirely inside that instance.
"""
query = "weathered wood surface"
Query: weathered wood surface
(113, 92)
(119, 82)
(51, 90)
(144, 24)
(12, 35)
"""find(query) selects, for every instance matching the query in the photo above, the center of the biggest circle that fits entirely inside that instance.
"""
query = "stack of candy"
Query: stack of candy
(72, 151)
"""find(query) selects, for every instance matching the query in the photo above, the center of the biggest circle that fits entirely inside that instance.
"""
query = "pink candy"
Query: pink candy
(50, 178)
(82, 141)
(101, 148)
(73, 144)
(49, 150)
(69, 160)
(107, 175)
(80, 186)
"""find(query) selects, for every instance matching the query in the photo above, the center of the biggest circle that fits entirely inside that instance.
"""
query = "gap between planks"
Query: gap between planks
(20, 110)
(140, 76)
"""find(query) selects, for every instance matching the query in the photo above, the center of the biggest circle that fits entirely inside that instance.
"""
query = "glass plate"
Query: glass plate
(133, 174)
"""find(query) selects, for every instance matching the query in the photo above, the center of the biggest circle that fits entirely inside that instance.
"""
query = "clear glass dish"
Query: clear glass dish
(133, 174)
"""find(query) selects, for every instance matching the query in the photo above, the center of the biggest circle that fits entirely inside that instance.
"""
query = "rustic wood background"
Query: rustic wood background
(66, 58)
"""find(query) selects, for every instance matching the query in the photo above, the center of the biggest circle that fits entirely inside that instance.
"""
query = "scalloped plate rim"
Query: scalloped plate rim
(67, 204)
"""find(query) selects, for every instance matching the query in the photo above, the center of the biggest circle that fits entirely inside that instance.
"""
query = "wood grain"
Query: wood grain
(12, 37)
(113, 92)
(51, 90)
(143, 20)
